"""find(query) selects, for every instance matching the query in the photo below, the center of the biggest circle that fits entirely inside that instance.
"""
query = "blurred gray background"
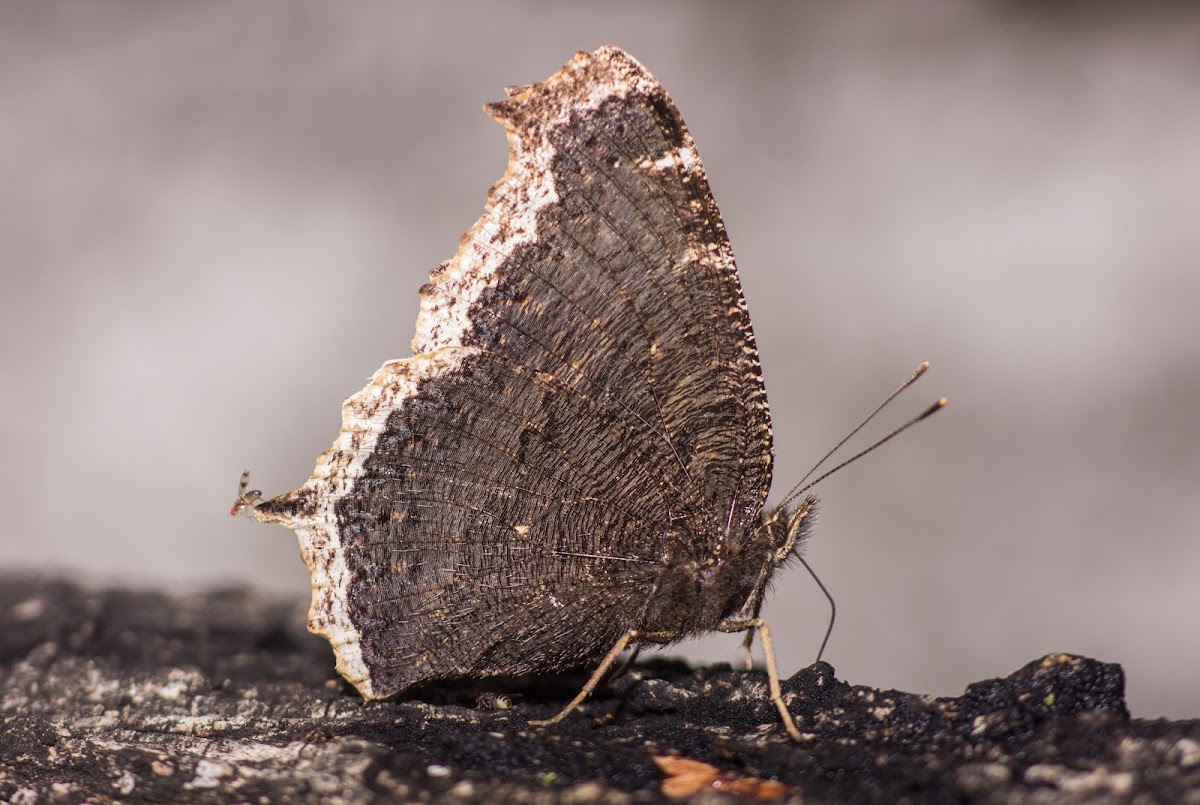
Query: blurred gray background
(214, 219)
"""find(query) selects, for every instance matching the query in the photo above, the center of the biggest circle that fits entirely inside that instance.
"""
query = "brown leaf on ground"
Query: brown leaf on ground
(686, 777)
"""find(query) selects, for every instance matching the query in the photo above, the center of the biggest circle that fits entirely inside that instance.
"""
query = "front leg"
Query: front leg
(760, 625)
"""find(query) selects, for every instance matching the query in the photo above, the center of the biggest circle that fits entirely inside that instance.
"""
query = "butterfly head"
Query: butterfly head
(779, 537)
(785, 530)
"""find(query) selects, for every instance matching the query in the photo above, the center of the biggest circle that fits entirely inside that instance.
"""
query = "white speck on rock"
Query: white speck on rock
(173, 690)
(463, 788)
(1188, 752)
(125, 784)
(1078, 782)
(24, 796)
(210, 774)
(29, 609)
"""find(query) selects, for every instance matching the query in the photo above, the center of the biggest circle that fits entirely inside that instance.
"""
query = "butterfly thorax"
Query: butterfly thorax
(700, 596)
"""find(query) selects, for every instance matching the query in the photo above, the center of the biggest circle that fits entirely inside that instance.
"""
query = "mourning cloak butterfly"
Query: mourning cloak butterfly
(576, 458)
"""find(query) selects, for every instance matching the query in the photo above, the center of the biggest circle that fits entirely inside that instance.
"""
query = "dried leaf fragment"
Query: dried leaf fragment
(686, 777)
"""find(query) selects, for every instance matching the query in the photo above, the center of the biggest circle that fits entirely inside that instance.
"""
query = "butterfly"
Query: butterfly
(576, 459)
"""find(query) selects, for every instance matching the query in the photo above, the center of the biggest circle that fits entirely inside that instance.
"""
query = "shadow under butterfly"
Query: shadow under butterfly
(576, 459)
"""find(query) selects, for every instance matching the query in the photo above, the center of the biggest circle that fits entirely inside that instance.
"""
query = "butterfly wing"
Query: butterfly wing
(584, 407)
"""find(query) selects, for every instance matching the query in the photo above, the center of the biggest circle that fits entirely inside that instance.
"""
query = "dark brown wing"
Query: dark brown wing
(584, 404)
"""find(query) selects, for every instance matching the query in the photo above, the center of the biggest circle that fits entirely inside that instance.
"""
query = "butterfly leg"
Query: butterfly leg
(597, 675)
(759, 625)
(625, 665)
(748, 642)
(748, 647)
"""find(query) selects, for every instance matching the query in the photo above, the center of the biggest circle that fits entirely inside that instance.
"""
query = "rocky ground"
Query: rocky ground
(119, 696)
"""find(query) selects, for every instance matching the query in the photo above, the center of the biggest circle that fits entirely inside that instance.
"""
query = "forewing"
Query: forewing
(602, 259)
(584, 405)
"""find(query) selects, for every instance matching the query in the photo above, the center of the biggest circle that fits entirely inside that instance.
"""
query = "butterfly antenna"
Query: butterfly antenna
(828, 597)
(801, 487)
(930, 411)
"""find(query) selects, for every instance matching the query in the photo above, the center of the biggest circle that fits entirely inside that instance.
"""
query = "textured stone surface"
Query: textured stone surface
(118, 696)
